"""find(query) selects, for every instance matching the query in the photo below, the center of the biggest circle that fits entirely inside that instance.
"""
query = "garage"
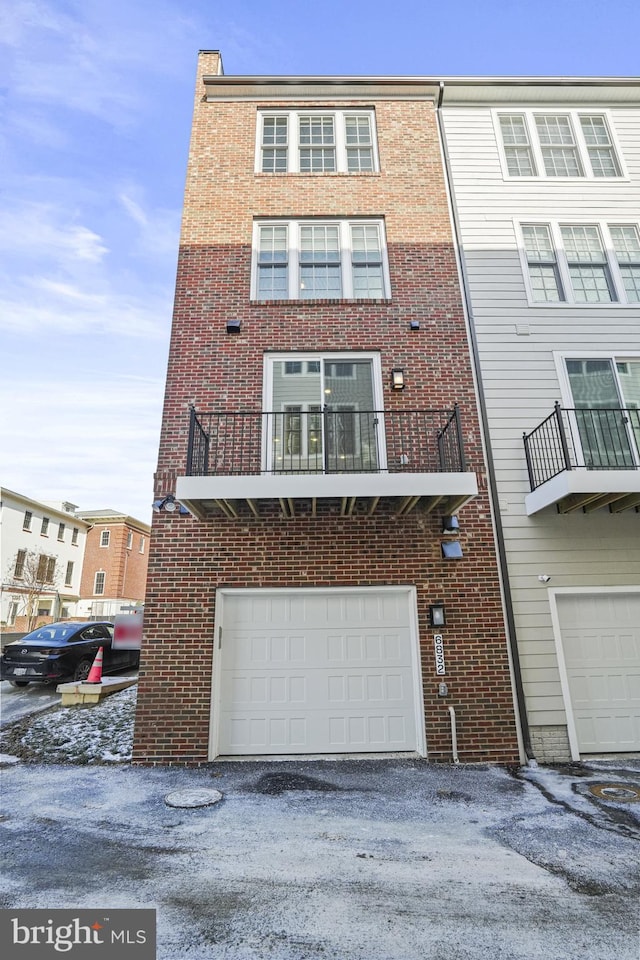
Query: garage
(316, 671)
(600, 635)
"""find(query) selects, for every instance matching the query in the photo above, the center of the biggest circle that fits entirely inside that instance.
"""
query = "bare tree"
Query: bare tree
(32, 574)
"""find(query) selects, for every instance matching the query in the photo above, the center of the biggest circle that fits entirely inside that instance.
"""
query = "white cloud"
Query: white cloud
(31, 228)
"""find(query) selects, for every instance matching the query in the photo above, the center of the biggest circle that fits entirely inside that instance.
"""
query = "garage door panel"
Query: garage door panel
(317, 676)
(601, 643)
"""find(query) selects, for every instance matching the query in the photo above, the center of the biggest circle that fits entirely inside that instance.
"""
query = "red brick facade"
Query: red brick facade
(214, 371)
(124, 565)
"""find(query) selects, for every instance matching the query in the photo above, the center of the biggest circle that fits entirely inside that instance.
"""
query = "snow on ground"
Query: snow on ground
(97, 733)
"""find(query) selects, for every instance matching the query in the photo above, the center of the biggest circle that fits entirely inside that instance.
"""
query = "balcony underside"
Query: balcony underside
(361, 493)
(587, 490)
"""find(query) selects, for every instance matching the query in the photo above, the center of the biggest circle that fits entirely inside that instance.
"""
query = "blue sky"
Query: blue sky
(95, 110)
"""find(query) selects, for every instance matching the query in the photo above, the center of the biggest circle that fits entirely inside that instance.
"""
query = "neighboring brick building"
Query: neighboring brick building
(114, 573)
(290, 614)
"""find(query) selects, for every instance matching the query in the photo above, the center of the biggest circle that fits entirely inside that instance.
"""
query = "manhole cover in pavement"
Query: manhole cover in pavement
(617, 792)
(192, 798)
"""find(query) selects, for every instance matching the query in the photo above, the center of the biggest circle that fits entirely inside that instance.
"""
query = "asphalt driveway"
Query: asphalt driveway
(354, 860)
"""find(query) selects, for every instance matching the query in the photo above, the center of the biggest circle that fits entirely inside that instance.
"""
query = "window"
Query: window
(28, 517)
(567, 144)
(332, 260)
(18, 570)
(98, 583)
(44, 529)
(129, 539)
(141, 550)
(74, 536)
(46, 569)
(582, 263)
(68, 578)
(605, 396)
(626, 244)
(13, 613)
(316, 141)
(61, 531)
(324, 419)
(105, 537)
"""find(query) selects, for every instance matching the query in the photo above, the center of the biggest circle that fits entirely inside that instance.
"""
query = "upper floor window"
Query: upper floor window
(129, 539)
(566, 144)
(336, 260)
(316, 141)
(44, 529)
(98, 583)
(18, 570)
(28, 517)
(582, 263)
(105, 537)
(74, 536)
(141, 548)
(46, 571)
(61, 528)
(68, 579)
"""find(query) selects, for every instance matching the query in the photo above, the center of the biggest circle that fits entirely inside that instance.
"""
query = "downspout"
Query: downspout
(454, 735)
(491, 477)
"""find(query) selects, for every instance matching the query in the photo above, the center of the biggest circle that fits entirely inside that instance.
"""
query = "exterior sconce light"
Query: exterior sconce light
(450, 524)
(437, 616)
(169, 504)
(397, 379)
(233, 326)
(414, 325)
(451, 550)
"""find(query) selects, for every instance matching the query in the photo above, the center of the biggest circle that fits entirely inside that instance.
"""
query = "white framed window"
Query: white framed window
(98, 583)
(129, 539)
(562, 144)
(105, 537)
(327, 418)
(68, 578)
(319, 259)
(28, 517)
(44, 528)
(316, 141)
(580, 264)
(141, 548)
(61, 529)
(74, 536)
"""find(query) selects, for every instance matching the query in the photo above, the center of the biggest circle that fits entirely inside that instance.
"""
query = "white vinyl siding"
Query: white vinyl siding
(316, 141)
(567, 144)
(327, 260)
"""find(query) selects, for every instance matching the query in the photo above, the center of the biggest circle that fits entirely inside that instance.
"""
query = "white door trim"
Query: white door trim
(554, 593)
(223, 592)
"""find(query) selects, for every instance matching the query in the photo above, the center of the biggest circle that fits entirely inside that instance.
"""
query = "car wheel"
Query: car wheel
(19, 683)
(81, 671)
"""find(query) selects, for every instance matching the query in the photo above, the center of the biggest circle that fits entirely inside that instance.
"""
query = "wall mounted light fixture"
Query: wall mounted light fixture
(169, 504)
(437, 615)
(450, 524)
(397, 379)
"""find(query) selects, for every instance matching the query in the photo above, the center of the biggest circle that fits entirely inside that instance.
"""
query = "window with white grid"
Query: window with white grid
(588, 265)
(626, 243)
(566, 144)
(542, 262)
(98, 583)
(326, 260)
(316, 141)
(582, 263)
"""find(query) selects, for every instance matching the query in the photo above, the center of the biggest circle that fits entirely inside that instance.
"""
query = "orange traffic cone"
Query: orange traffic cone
(95, 674)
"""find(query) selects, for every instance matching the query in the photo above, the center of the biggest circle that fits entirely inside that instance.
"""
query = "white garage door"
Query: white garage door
(601, 643)
(316, 671)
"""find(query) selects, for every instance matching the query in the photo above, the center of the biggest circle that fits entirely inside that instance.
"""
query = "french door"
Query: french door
(606, 397)
(322, 415)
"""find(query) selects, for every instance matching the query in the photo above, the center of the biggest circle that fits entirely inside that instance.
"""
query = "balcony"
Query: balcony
(299, 458)
(584, 458)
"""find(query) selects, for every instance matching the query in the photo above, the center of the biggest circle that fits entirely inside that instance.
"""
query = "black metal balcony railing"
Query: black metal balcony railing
(325, 441)
(589, 437)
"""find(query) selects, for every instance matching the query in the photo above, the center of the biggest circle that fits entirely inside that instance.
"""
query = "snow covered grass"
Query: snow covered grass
(100, 733)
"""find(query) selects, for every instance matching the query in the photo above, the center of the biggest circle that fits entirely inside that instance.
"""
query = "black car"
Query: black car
(62, 651)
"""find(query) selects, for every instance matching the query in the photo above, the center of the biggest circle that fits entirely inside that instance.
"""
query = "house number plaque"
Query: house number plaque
(439, 650)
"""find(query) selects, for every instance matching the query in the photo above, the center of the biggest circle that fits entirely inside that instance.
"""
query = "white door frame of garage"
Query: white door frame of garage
(223, 592)
(554, 593)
